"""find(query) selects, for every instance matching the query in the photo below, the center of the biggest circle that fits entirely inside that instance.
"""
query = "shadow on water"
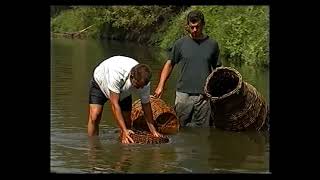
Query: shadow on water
(189, 151)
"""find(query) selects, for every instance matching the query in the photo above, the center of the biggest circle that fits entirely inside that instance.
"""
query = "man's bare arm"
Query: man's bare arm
(116, 109)
(165, 74)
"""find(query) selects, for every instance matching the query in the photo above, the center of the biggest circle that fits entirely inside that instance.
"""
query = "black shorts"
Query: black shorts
(96, 96)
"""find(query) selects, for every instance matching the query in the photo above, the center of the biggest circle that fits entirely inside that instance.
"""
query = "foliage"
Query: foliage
(175, 30)
(132, 19)
(241, 31)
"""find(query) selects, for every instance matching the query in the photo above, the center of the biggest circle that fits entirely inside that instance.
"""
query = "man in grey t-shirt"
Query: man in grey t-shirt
(197, 55)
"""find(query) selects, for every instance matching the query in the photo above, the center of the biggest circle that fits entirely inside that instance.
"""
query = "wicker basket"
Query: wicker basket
(144, 137)
(236, 104)
(166, 121)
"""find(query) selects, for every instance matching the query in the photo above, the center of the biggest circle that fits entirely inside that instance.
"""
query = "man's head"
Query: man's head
(195, 23)
(140, 75)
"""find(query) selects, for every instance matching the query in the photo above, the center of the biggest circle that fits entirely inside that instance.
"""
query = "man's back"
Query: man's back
(113, 73)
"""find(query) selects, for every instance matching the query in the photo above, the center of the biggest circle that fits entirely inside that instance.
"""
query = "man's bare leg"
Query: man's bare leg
(95, 112)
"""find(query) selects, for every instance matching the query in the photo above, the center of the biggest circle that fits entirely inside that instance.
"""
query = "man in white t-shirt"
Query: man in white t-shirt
(115, 79)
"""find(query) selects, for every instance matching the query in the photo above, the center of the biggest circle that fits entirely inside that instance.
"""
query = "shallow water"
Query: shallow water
(198, 150)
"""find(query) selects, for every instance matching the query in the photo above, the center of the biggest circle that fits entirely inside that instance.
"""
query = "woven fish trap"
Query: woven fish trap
(144, 137)
(166, 121)
(237, 105)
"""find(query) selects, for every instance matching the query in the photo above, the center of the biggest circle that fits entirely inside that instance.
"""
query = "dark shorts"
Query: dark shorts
(96, 96)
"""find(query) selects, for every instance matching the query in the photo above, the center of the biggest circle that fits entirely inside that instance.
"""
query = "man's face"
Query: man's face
(135, 83)
(195, 29)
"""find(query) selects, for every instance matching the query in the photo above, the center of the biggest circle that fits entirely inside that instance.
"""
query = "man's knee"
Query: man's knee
(95, 114)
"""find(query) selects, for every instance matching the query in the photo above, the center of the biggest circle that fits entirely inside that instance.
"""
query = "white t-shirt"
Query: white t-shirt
(113, 74)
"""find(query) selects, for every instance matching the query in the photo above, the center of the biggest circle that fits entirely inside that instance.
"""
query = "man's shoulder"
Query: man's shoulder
(120, 63)
(184, 38)
(119, 59)
(180, 41)
(212, 40)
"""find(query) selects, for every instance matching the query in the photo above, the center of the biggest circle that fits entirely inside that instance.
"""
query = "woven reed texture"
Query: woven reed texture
(144, 137)
(166, 121)
(237, 105)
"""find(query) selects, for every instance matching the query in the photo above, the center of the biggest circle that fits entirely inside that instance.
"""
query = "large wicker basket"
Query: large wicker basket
(166, 121)
(236, 104)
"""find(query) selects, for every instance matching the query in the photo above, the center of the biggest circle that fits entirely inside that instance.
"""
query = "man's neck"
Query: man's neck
(202, 36)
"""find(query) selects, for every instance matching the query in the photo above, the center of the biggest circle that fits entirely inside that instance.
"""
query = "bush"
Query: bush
(241, 31)
(125, 21)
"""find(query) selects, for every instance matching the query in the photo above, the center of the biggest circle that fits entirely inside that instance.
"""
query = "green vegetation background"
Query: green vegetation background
(241, 31)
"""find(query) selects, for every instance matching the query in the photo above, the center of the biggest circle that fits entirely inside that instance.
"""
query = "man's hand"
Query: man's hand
(156, 134)
(125, 137)
(158, 92)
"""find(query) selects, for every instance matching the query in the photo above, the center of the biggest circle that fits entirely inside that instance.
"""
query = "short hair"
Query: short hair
(195, 16)
(141, 72)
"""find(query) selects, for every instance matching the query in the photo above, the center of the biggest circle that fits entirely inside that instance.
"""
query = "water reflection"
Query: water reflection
(129, 158)
(234, 151)
(204, 150)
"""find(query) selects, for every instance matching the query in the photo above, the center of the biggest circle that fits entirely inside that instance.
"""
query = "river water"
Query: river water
(190, 151)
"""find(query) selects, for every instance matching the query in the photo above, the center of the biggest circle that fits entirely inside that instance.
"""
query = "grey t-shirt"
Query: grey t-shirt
(195, 58)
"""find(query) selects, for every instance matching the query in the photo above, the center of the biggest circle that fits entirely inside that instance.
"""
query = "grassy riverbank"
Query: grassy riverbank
(241, 31)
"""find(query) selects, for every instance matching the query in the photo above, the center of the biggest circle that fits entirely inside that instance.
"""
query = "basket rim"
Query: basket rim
(235, 90)
(139, 100)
